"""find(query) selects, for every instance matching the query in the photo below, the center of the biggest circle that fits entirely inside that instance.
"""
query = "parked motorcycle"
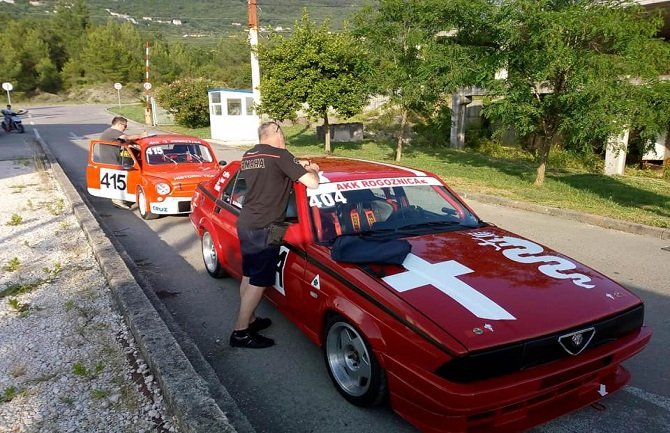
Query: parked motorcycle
(11, 120)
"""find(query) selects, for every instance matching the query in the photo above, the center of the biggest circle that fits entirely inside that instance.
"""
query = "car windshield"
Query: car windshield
(394, 207)
(177, 153)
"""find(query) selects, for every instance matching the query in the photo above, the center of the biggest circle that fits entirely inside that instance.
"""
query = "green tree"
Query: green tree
(415, 66)
(576, 70)
(313, 70)
(113, 53)
(188, 100)
(23, 50)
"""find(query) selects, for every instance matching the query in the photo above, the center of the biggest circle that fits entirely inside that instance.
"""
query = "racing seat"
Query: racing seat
(361, 216)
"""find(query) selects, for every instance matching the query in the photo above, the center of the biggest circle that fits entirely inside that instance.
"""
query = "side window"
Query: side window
(234, 192)
(106, 154)
(291, 210)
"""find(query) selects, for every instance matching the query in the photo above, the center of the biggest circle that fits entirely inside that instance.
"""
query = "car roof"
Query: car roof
(336, 169)
(167, 139)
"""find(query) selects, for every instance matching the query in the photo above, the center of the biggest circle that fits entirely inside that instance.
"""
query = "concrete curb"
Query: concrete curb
(596, 220)
(187, 396)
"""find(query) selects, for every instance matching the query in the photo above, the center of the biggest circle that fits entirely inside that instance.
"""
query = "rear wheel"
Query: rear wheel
(210, 257)
(352, 365)
(143, 206)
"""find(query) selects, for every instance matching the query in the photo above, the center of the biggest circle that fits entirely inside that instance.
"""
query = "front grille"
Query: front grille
(521, 356)
(184, 206)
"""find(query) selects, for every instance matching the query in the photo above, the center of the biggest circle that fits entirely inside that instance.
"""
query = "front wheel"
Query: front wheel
(352, 365)
(210, 257)
(4, 126)
(20, 128)
(143, 206)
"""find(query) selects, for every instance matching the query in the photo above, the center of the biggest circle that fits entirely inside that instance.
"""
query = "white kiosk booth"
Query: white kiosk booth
(232, 116)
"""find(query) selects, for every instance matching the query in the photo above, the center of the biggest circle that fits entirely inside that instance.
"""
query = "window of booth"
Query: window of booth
(250, 106)
(216, 108)
(234, 107)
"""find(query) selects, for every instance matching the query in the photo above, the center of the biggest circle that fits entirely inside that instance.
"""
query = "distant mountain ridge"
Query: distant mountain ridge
(204, 18)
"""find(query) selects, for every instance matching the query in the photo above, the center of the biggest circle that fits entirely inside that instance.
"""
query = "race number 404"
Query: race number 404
(327, 199)
(115, 180)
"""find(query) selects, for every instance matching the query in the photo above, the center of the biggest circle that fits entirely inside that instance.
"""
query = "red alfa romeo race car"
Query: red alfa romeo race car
(464, 326)
(158, 172)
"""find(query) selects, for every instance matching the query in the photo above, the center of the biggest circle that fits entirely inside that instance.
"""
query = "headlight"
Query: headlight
(163, 188)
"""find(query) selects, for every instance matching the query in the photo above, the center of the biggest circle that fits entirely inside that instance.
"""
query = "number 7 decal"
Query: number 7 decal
(281, 264)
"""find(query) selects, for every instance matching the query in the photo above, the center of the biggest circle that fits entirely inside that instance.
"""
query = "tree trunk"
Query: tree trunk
(543, 153)
(401, 135)
(326, 132)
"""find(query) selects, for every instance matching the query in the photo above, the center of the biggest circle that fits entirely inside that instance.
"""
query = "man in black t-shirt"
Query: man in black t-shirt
(269, 171)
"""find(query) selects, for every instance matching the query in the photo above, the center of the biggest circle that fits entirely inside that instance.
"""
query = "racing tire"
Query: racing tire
(210, 258)
(352, 365)
(143, 206)
(21, 129)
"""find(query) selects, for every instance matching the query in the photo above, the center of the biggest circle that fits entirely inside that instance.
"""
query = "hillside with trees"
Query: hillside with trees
(200, 22)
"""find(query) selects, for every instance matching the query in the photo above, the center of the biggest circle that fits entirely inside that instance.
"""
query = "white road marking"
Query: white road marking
(76, 137)
(658, 400)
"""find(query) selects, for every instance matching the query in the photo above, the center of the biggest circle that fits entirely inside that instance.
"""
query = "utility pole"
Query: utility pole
(148, 118)
(253, 41)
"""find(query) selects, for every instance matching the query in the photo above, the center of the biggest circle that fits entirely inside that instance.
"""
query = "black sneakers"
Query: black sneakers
(246, 338)
(259, 324)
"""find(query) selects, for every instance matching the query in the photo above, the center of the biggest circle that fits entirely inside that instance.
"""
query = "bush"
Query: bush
(434, 131)
(187, 100)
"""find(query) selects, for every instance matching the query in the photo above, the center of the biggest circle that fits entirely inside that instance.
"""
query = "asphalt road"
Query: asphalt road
(286, 388)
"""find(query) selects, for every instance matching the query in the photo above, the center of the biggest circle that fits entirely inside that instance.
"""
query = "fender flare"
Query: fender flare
(361, 320)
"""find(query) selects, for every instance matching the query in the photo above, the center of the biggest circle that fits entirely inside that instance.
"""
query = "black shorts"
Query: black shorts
(259, 261)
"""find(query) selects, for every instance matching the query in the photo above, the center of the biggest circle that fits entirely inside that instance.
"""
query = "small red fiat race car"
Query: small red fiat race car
(158, 172)
(465, 327)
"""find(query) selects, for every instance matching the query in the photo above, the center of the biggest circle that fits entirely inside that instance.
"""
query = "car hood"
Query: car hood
(187, 177)
(489, 287)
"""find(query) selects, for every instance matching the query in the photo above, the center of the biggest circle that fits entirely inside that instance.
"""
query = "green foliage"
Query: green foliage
(15, 220)
(8, 394)
(434, 130)
(68, 48)
(188, 100)
(414, 64)
(15, 289)
(313, 70)
(79, 369)
(56, 207)
(12, 265)
(113, 53)
(18, 306)
(577, 72)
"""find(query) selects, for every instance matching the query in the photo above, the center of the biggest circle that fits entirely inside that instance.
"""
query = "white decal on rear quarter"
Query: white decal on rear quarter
(444, 277)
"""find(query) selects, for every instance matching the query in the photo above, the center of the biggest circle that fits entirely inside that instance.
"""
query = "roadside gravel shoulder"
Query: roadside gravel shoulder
(68, 362)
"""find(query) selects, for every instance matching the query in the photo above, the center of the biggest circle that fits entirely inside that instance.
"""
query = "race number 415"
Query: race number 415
(115, 180)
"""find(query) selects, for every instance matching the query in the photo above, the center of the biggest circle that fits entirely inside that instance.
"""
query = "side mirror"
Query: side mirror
(222, 163)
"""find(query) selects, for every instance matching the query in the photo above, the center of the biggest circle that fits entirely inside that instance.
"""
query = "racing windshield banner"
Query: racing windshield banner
(326, 188)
